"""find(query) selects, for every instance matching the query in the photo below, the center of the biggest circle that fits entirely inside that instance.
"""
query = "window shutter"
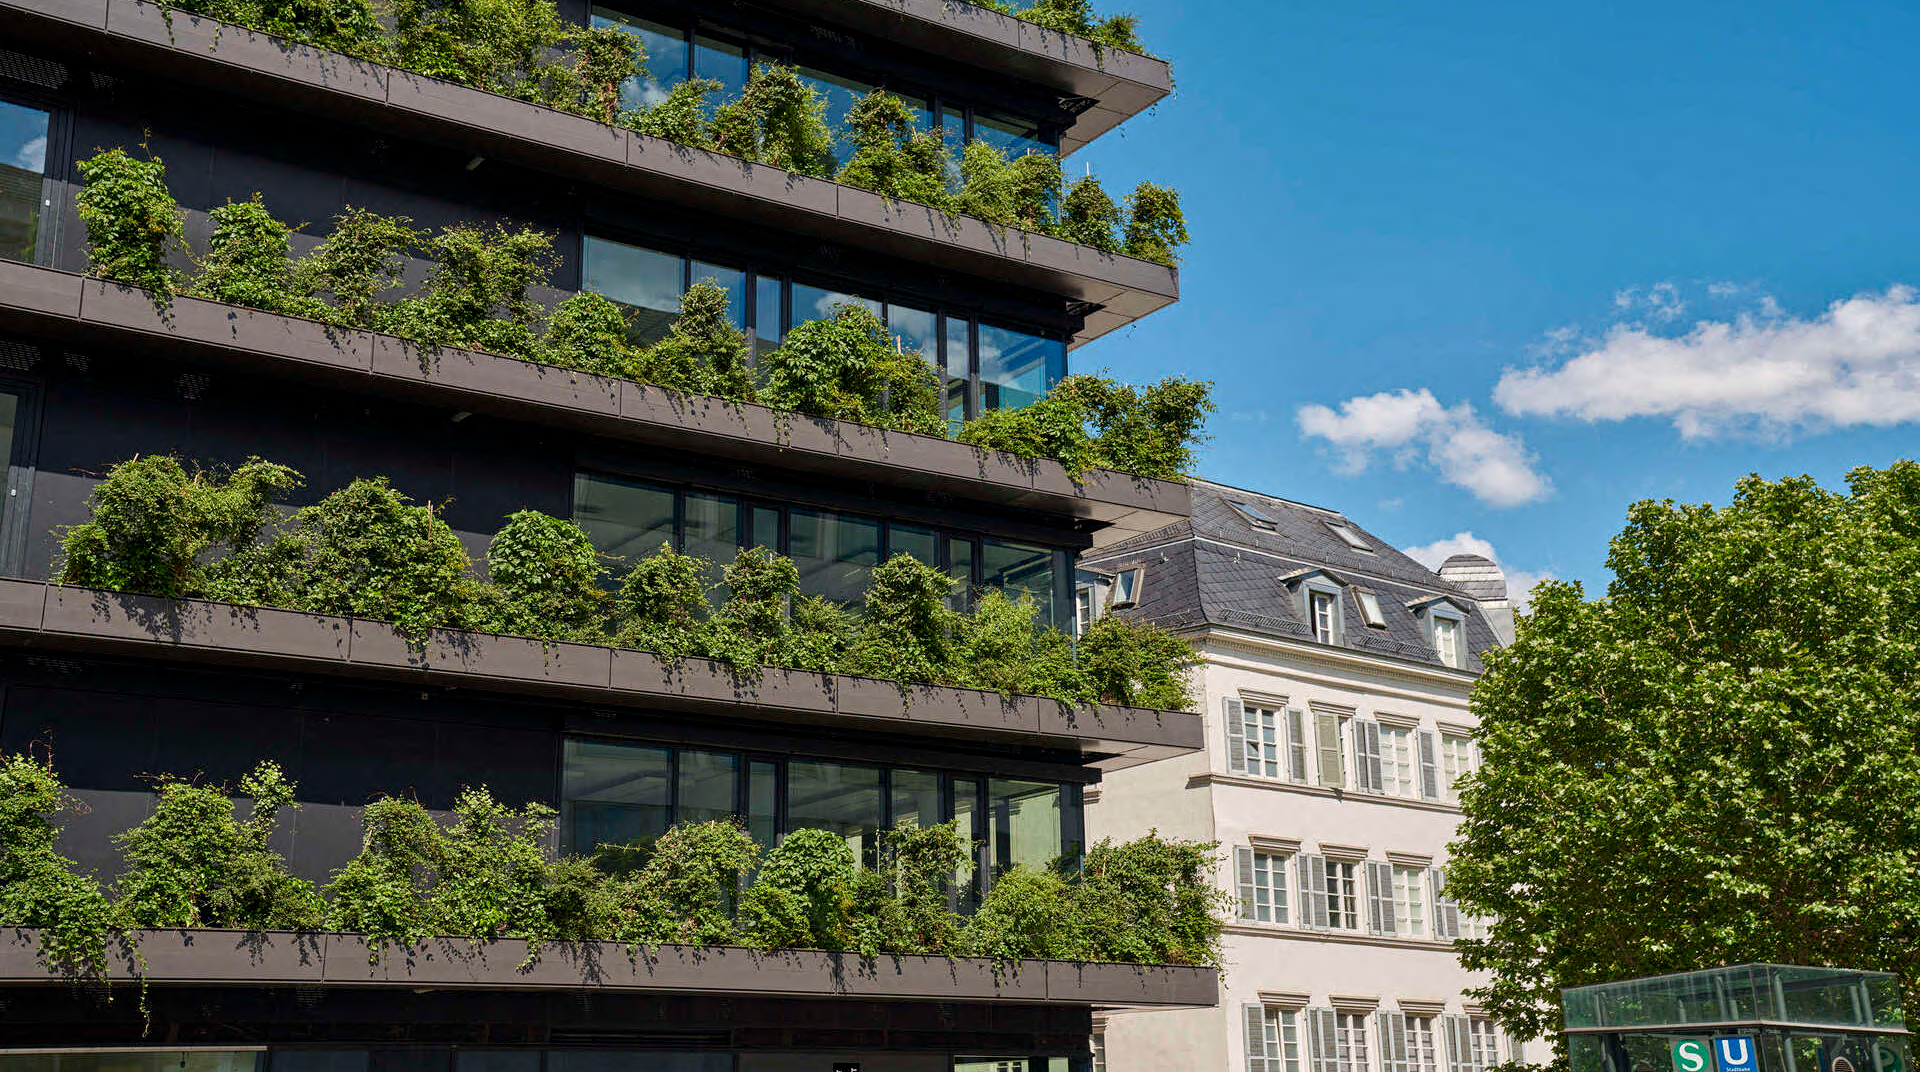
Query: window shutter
(1446, 914)
(1380, 898)
(1391, 1029)
(1256, 1019)
(1323, 1039)
(1243, 872)
(1297, 745)
(1233, 713)
(1313, 890)
(1326, 732)
(1513, 1047)
(1459, 1047)
(1367, 770)
(1429, 766)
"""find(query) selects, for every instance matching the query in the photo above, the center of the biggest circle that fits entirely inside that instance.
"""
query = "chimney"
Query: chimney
(1481, 579)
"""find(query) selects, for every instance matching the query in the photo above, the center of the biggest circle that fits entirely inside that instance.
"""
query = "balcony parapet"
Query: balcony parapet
(78, 309)
(210, 958)
(44, 616)
(229, 59)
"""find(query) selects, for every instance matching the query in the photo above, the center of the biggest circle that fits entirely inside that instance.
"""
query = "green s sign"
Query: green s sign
(1690, 1055)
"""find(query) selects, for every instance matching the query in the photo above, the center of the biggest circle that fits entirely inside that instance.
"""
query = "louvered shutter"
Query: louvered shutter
(1323, 1039)
(1391, 1029)
(1513, 1047)
(1429, 766)
(1256, 1020)
(1326, 732)
(1233, 713)
(1380, 898)
(1297, 768)
(1446, 914)
(1243, 873)
(1313, 891)
(1367, 772)
(1459, 1047)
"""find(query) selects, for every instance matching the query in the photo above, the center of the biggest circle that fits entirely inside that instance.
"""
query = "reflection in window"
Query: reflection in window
(23, 166)
(959, 370)
(839, 797)
(916, 799)
(960, 567)
(1024, 823)
(840, 93)
(665, 52)
(723, 61)
(1010, 134)
(914, 329)
(1016, 368)
(921, 543)
(625, 519)
(615, 794)
(766, 313)
(835, 554)
(731, 280)
(709, 786)
(646, 281)
(1017, 569)
(763, 803)
(713, 534)
(816, 303)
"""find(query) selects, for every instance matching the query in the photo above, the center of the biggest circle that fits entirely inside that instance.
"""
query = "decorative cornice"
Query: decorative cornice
(1461, 729)
(1242, 928)
(1344, 658)
(1326, 707)
(1410, 859)
(1421, 1006)
(1397, 721)
(1241, 781)
(1343, 853)
(1282, 846)
(1353, 1004)
(1262, 699)
(1285, 999)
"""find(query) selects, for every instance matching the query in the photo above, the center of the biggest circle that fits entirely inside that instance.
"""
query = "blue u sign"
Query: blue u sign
(1736, 1054)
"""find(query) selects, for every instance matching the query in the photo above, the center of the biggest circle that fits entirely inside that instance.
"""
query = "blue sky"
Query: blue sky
(1606, 240)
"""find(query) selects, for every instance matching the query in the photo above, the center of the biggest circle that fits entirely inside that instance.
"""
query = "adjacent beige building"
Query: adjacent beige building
(1336, 676)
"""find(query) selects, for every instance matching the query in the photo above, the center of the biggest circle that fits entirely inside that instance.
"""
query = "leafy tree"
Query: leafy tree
(1137, 664)
(133, 223)
(803, 898)
(548, 577)
(191, 863)
(846, 368)
(907, 630)
(682, 115)
(589, 332)
(38, 886)
(1156, 227)
(154, 525)
(777, 119)
(703, 352)
(341, 279)
(249, 260)
(1089, 216)
(1715, 762)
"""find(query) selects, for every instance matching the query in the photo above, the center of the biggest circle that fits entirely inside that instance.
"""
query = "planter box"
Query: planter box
(195, 624)
(505, 116)
(22, 604)
(39, 292)
(229, 327)
(256, 52)
(89, 13)
(577, 394)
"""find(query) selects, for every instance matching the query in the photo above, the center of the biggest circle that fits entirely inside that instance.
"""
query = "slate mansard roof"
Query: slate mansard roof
(1218, 569)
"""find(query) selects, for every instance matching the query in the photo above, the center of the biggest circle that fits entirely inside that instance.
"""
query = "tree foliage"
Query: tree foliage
(1715, 762)
(249, 260)
(133, 223)
(38, 886)
(847, 368)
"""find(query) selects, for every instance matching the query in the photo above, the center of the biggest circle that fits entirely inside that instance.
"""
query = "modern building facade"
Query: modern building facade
(1336, 672)
(119, 687)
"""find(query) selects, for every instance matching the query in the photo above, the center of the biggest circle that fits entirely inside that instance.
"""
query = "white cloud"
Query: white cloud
(32, 154)
(1414, 426)
(1660, 301)
(1857, 363)
(1520, 583)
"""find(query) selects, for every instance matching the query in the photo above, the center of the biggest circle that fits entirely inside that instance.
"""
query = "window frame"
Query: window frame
(56, 162)
(1319, 597)
(1343, 890)
(1456, 630)
(1128, 581)
(1409, 885)
(1372, 614)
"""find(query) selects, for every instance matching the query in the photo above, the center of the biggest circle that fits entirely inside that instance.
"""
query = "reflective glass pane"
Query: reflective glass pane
(646, 281)
(916, 798)
(816, 303)
(966, 812)
(1023, 821)
(632, 1061)
(835, 554)
(1016, 569)
(713, 534)
(625, 519)
(921, 543)
(763, 803)
(839, 92)
(723, 61)
(835, 796)
(614, 794)
(23, 164)
(766, 527)
(1017, 367)
(9, 416)
(1011, 134)
(766, 314)
(914, 329)
(731, 280)
(496, 1061)
(960, 557)
(959, 368)
(709, 786)
(665, 57)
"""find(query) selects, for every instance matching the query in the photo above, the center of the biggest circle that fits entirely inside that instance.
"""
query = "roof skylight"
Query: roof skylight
(1350, 537)
(1253, 514)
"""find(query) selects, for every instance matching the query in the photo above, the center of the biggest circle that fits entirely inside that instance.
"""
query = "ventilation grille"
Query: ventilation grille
(18, 356)
(33, 70)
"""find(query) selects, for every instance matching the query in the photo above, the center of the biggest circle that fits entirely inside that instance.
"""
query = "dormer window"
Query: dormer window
(1126, 587)
(1323, 610)
(1446, 639)
(1253, 515)
(1370, 611)
(1350, 537)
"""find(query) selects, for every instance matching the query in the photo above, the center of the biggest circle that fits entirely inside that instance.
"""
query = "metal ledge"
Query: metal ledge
(1122, 84)
(47, 616)
(280, 958)
(77, 309)
(231, 60)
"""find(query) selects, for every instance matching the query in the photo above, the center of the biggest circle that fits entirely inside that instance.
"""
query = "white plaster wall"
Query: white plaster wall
(1189, 797)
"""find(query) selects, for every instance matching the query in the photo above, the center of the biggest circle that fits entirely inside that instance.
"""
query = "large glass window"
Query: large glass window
(816, 303)
(840, 797)
(1011, 134)
(709, 786)
(922, 544)
(616, 794)
(767, 314)
(839, 93)
(712, 533)
(1016, 367)
(1024, 823)
(723, 61)
(1019, 570)
(626, 520)
(731, 280)
(959, 371)
(916, 800)
(23, 168)
(665, 54)
(646, 281)
(834, 553)
(914, 330)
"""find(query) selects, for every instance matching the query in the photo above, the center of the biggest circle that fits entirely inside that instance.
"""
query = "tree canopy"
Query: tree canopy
(1715, 763)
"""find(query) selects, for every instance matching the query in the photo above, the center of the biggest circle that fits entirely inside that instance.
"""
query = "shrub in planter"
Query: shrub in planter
(38, 886)
(1027, 913)
(907, 629)
(1156, 227)
(191, 863)
(1149, 901)
(892, 154)
(663, 606)
(386, 890)
(777, 119)
(703, 352)
(846, 368)
(1051, 426)
(1137, 664)
(249, 261)
(475, 296)
(340, 280)
(494, 869)
(682, 115)
(1149, 431)
(689, 887)
(900, 905)
(803, 897)
(367, 551)
(1004, 650)
(1088, 216)
(589, 332)
(133, 223)
(547, 576)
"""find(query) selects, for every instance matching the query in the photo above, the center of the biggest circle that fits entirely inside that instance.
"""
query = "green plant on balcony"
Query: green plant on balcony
(847, 368)
(703, 353)
(475, 296)
(39, 887)
(893, 155)
(249, 260)
(134, 226)
(778, 120)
